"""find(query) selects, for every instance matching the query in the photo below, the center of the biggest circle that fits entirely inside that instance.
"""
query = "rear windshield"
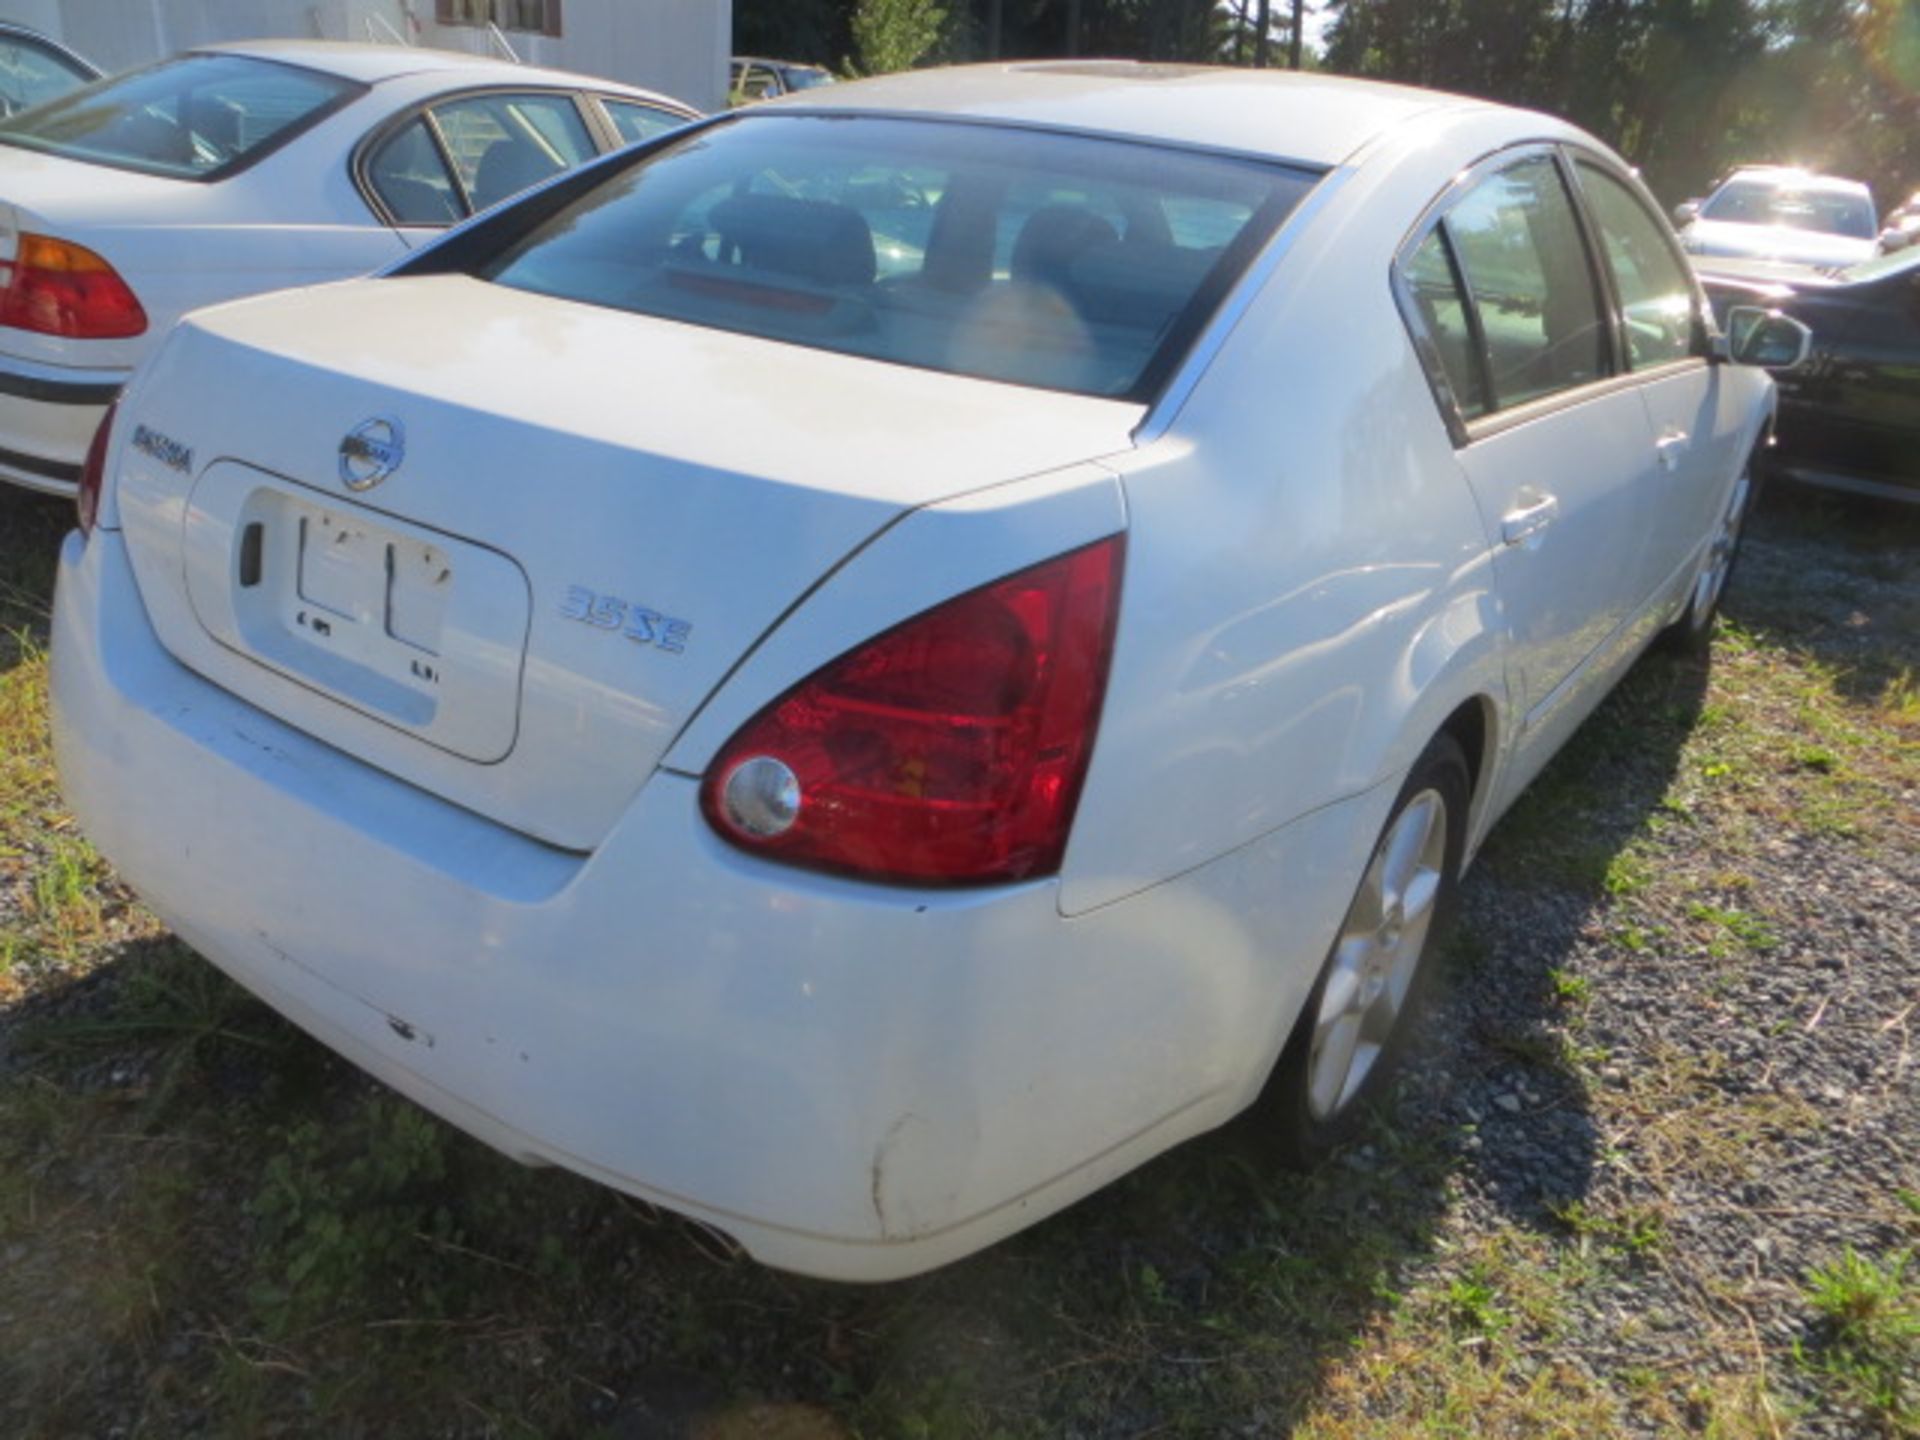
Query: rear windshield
(1049, 260)
(1761, 202)
(197, 117)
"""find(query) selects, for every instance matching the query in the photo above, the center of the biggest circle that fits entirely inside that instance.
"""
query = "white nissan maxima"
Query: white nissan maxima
(860, 670)
(241, 168)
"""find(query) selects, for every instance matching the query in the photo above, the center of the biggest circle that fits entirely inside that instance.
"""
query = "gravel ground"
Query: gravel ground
(1756, 1105)
(1669, 1071)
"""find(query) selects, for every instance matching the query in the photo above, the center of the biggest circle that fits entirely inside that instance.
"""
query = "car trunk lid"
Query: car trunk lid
(504, 546)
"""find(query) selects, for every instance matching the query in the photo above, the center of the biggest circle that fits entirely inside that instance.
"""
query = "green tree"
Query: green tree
(809, 30)
(891, 35)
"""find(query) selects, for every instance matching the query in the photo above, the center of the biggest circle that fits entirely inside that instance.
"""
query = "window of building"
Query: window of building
(541, 17)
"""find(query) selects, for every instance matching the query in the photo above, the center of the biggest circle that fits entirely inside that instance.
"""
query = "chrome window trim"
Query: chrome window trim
(601, 104)
(1463, 431)
(1427, 347)
(360, 158)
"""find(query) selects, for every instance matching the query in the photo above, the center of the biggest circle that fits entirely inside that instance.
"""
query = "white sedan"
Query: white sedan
(242, 168)
(863, 754)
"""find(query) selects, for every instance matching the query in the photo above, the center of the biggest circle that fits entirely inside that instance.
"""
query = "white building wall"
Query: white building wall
(679, 47)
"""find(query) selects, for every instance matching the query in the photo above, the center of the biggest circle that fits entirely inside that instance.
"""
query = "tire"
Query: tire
(1692, 633)
(1375, 974)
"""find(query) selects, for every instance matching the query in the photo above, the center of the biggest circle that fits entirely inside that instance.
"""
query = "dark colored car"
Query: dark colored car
(35, 69)
(1850, 415)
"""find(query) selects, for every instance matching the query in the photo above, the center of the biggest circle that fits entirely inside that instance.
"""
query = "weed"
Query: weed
(1629, 1232)
(1871, 1349)
(1627, 873)
(1569, 988)
(1640, 938)
(169, 1013)
(1472, 1307)
(1737, 928)
(334, 1226)
(1900, 698)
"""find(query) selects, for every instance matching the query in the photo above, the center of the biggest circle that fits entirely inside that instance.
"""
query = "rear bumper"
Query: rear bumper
(48, 414)
(853, 1081)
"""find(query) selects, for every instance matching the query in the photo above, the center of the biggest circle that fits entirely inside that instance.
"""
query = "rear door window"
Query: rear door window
(1519, 249)
(637, 122)
(1058, 261)
(501, 144)
(197, 117)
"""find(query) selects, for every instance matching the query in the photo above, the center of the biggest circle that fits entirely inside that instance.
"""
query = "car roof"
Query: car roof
(1798, 178)
(1287, 115)
(371, 64)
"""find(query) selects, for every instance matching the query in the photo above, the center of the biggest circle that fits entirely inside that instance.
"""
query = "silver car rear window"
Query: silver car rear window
(1058, 261)
(195, 117)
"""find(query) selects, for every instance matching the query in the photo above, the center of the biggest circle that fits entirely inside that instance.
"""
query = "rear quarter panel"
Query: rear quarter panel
(1309, 591)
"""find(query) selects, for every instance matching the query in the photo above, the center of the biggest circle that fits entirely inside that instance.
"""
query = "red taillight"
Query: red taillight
(950, 750)
(93, 474)
(59, 288)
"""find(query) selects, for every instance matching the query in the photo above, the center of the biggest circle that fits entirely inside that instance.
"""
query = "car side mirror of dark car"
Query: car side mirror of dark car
(1766, 338)
(1684, 213)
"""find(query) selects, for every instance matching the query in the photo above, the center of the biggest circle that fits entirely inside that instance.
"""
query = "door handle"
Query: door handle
(1670, 447)
(1517, 526)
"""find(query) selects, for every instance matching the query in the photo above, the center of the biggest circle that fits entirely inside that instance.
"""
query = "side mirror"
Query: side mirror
(1767, 338)
(1896, 239)
(1684, 213)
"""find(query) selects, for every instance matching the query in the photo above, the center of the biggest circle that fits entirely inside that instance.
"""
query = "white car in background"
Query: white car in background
(36, 68)
(1784, 215)
(241, 168)
(862, 746)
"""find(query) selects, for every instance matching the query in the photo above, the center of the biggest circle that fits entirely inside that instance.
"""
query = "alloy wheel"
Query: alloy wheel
(1377, 955)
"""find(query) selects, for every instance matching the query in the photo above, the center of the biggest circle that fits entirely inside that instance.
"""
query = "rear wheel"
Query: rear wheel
(1354, 1025)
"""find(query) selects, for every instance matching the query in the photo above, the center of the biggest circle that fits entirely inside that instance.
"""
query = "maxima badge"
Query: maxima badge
(371, 452)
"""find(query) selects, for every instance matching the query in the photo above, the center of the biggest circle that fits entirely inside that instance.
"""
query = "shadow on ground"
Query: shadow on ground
(31, 526)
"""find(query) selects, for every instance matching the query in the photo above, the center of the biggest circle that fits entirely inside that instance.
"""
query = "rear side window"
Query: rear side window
(1434, 285)
(1656, 299)
(1056, 261)
(196, 117)
(411, 178)
(1525, 266)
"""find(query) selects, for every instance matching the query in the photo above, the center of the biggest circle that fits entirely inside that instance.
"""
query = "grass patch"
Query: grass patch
(1732, 931)
(1869, 1347)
